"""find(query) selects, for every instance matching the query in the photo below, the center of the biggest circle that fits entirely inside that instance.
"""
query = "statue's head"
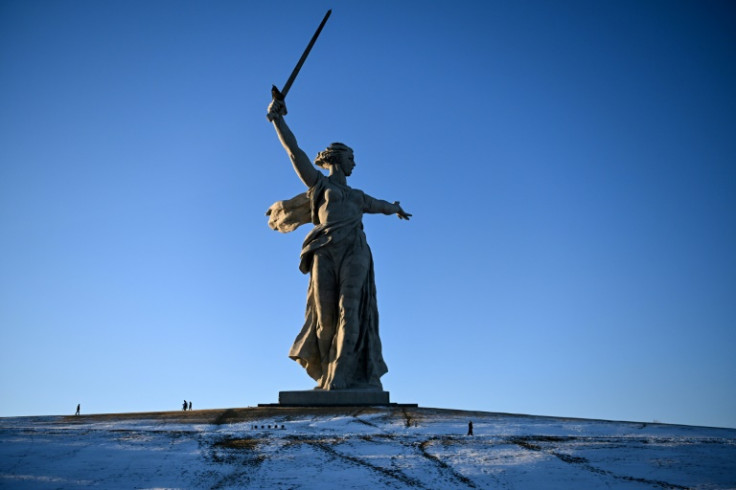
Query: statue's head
(336, 154)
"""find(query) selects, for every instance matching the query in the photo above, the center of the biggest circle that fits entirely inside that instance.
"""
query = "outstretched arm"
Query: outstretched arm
(376, 206)
(302, 165)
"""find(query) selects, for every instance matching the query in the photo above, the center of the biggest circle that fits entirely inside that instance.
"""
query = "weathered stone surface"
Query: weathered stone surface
(339, 344)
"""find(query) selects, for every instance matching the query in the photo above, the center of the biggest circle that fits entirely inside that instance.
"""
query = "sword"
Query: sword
(281, 94)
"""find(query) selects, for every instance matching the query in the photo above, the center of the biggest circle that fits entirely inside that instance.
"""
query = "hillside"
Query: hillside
(358, 448)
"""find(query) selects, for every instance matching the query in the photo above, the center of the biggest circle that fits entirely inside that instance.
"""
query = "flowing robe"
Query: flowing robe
(338, 345)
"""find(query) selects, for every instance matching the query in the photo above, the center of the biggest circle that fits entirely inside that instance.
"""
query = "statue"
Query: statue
(338, 345)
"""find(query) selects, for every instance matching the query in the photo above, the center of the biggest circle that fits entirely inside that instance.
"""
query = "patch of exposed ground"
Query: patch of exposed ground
(391, 473)
(548, 443)
(424, 448)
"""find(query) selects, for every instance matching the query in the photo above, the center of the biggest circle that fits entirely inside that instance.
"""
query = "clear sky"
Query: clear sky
(571, 168)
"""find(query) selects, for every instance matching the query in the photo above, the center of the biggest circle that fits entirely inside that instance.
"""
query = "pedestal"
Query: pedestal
(334, 398)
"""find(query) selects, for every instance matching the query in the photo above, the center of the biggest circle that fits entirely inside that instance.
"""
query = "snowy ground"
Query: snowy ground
(358, 448)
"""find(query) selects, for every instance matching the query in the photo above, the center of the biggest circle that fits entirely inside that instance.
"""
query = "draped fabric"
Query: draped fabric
(339, 344)
(288, 215)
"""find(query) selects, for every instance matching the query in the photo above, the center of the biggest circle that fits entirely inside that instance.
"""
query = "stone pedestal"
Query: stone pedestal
(334, 398)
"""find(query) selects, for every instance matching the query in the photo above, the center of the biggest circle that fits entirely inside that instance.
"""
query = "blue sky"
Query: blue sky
(571, 168)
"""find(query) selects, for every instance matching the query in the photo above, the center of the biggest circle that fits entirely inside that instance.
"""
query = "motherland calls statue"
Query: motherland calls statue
(339, 344)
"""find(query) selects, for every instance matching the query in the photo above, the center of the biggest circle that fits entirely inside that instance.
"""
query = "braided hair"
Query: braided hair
(331, 154)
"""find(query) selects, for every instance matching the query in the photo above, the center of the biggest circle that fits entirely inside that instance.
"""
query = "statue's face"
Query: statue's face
(347, 162)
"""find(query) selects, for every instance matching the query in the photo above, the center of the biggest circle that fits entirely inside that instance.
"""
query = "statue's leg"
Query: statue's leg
(352, 279)
(325, 294)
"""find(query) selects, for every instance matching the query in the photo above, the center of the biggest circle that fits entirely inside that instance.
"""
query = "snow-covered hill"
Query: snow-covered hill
(358, 448)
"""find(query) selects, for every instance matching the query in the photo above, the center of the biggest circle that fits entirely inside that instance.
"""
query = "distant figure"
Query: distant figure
(190, 406)
(470, 428)
(184, 407)
(79, 408)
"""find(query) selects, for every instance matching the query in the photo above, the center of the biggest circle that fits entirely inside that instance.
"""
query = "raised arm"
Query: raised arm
(302, 165)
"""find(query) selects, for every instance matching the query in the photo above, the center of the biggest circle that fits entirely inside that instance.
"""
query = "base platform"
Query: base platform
(332, 398)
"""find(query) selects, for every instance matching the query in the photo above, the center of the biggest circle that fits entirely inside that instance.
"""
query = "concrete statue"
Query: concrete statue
(338, 345)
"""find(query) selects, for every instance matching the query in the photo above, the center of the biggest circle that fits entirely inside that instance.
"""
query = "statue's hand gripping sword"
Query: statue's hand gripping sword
(281, 94)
